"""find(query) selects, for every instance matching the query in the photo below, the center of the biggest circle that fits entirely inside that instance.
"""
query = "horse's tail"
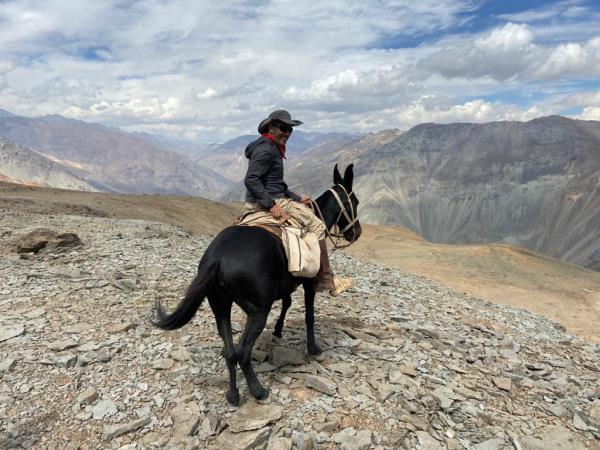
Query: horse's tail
(191, 302)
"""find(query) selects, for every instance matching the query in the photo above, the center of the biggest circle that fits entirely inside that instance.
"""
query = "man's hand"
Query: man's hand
(305, 200)
(278, 213)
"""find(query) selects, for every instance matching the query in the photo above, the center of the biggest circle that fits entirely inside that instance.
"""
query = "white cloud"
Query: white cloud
(571, 59)
(201, 68)
(590, 113)
(509, 52)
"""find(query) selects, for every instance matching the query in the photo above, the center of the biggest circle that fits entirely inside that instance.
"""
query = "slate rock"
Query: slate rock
(252, 416)
(7, 365)
(283, 356)
(321, 384)
(12, 331)
(552, 438)
(280, 443)
(113, 431)
(503, 383)
(163, 364)
(88, 396)
(427, 442)
(59, 346)
(35, 240)
(186, 418)
(246, 440)
(104, 408)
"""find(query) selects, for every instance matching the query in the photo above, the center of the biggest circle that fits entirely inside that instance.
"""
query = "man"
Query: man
(266, 188)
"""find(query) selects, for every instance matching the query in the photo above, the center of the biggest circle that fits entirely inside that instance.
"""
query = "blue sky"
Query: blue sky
(211, 71)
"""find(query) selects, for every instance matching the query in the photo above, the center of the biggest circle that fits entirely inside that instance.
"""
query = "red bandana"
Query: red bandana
(272, 139)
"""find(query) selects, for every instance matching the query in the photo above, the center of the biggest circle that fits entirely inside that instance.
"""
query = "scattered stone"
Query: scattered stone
(427, 442)
(88, 396)
(415, 421)
(119, 327)
(283, 356)
(579, 423)
(59, 346)
(158, 400)
(252, 416)
(113, 431)
(302, 441)
(125, 284)
(211, 425)
(362, 441)
(344, 437)
(163, 364)
(553, 438)
(421, 380)
(503, 383)
(186, 418)
(243, 441)
(321, 384)
(180, 354)
(154, 439)
(9, 332)
(34, 241)
(408, 370)
(442, 395)
(490, 444)
(35, 313)
(65, 360)
(104, 408)
(7, 365)
(280, 443)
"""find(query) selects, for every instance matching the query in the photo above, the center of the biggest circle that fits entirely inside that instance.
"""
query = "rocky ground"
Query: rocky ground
(407, 364)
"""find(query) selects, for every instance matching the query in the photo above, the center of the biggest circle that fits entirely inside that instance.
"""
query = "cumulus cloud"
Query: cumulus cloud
(509, 52)
(197, 68)
(590, 113)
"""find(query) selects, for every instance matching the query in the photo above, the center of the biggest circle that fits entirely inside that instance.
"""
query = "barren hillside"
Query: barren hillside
(504, 274)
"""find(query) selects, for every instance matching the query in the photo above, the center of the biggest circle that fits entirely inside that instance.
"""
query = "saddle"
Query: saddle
(301, 247)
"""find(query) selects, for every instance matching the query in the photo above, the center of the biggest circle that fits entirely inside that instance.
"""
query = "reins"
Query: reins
(350, 218)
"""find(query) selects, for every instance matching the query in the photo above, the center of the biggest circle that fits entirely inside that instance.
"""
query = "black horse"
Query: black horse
(248, 266)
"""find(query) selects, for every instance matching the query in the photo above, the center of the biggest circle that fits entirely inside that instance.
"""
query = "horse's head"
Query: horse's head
(347, 218)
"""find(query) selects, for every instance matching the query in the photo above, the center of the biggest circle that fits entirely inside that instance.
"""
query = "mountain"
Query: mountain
(534, 184)
(309, 170)
(113, 160)
(229, 159)
(24, 166)
(184, 146)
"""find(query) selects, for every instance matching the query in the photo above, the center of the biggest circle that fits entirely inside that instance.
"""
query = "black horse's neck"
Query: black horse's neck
(328, 207)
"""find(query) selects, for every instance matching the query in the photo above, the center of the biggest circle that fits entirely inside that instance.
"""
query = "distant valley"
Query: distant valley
(535, 184)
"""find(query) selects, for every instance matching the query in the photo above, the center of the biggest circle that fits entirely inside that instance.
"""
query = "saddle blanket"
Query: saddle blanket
(301, 246)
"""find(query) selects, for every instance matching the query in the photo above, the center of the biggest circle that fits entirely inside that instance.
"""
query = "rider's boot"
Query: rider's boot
(325, 280)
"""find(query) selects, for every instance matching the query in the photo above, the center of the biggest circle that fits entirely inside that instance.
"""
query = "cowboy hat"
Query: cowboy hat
(281, 116)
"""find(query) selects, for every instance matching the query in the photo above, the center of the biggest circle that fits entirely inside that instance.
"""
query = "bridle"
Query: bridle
(350, 217)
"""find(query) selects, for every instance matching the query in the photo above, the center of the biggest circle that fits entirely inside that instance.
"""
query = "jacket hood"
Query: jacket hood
(252, 145)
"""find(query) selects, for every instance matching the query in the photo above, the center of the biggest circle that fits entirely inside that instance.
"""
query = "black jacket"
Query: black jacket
(264, 178)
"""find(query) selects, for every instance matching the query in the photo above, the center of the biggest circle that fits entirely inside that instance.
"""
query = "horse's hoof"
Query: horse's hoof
(233, 397)
(260, 393)
(277, 334)
(314, 349)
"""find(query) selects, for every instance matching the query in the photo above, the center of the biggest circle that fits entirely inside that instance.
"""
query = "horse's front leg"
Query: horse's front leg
(309, 305)
(285, 305)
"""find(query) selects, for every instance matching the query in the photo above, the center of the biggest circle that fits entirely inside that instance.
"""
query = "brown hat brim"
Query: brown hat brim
(263, 127)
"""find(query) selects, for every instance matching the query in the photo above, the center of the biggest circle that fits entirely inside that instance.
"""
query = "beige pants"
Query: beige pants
(303, 214)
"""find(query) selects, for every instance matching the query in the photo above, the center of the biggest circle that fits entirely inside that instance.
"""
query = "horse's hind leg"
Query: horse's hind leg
(222, 312)
(285, 305)
(254, 325)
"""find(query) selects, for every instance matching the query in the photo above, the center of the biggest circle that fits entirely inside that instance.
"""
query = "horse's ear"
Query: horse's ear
(337, 178)
(349, 177)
